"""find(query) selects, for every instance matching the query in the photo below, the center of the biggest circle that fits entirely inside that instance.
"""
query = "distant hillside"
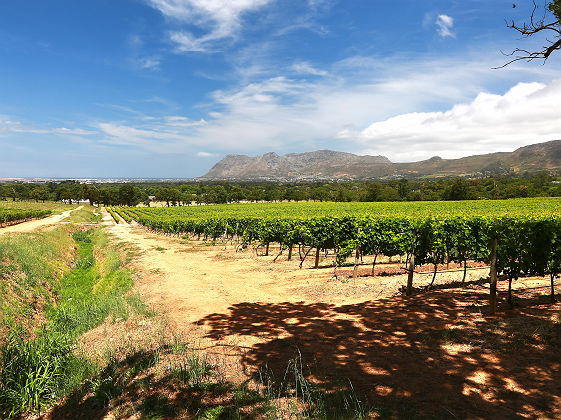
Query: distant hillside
(327, 164)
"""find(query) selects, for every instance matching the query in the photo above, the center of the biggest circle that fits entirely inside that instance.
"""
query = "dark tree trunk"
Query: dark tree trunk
(290, 252)
(316, 264)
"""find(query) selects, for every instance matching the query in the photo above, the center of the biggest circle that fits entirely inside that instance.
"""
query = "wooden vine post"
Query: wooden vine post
(493, 279)
(411, 271)
(355, 269)
(357, 255)
(552, 275)
(316, 264)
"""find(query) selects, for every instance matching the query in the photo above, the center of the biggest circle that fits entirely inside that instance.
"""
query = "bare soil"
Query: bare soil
(435, 354)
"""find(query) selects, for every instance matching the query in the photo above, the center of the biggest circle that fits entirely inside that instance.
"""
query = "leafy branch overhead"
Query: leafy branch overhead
(546, 22)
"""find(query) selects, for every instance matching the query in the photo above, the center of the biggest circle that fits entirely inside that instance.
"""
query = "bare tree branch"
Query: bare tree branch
(537, 24)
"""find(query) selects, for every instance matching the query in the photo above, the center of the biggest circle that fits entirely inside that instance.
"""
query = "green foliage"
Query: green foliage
(113, 214)
(34, 373)
(84, 215)
(527, 229)
(29, 264)
(194, 369)
(16, 215)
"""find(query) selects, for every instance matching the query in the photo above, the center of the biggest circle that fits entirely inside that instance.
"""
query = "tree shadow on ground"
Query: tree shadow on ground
(136, 387)
(432, 355)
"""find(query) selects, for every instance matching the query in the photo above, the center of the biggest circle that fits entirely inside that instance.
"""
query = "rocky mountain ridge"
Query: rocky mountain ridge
(332, 165)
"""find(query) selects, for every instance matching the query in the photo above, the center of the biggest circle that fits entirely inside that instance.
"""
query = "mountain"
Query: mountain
(330, 165)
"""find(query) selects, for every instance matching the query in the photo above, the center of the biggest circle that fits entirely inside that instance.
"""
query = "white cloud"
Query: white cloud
(8, 125)
(207, 154)
(281, 113)
(527, 113)
(410, 102)
(221, 18)
(178, 121)
(445, 24)
(168, 134)
(403, 97)
(305, 68)
(148, 62)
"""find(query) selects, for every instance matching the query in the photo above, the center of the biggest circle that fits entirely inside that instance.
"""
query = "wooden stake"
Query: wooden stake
(510, 291)
(552, 288)
(316, 265)
(355, 269)
(493, 279)
(374, 264)
(410, 275)
(433, 276)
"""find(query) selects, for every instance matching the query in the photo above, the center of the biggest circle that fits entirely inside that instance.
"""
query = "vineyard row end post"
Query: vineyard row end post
(410, 275)
(493, 279)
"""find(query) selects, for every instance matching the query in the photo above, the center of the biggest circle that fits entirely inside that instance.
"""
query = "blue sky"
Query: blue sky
(165, 88)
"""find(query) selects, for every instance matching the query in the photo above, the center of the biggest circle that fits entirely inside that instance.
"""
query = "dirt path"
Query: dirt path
(39, 223)
(190, 281)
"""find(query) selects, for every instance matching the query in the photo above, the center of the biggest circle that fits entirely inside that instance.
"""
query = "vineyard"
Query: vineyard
(13, 215)
(517, 237)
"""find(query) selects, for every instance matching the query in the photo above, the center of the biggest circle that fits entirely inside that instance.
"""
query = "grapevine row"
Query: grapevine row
(8, 215)
(526, 244)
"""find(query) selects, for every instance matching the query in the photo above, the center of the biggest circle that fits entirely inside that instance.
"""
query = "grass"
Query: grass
(87, 214)
(30, 264)
(38, 367)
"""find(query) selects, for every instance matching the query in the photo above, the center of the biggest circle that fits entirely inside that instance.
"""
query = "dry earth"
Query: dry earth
(437, 353)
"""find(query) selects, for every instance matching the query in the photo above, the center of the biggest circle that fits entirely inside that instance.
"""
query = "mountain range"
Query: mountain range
(332, 165)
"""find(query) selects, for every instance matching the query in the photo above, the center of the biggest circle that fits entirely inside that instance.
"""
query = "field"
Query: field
(216, 322)
(17, 211)
(437, 354)
(513, 207)
(53, 206)
(517, 237)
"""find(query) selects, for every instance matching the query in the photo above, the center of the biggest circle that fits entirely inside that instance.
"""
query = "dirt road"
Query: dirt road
(190, 281)
(37, 224)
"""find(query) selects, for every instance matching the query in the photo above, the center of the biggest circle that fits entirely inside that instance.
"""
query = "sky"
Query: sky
(166, 88)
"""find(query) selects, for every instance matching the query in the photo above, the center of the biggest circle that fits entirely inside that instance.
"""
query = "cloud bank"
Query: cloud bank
(527, 113)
